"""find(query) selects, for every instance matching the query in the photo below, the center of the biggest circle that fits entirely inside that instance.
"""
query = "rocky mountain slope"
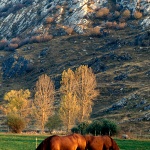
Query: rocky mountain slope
(19, 17)
(112, 37)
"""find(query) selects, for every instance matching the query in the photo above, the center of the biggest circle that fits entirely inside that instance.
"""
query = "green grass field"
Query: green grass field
(28, 142)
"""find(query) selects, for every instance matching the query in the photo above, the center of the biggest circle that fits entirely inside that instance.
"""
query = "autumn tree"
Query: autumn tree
(85, 91)
(44, 100)
(69, 105)
(78, 90)
(17, 103)
(17, 108)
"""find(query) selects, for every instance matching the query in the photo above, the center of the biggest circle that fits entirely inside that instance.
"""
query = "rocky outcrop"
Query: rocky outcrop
(15, 66)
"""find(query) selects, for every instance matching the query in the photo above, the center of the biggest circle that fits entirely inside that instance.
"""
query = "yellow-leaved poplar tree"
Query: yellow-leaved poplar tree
(18, 103)
(44, 100)
(85, 91)
(69, 105)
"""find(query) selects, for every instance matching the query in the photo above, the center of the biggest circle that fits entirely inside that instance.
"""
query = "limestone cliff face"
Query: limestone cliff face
(20, 17)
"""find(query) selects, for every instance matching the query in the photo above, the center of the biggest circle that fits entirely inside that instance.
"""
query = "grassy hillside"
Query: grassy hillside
(120, 61)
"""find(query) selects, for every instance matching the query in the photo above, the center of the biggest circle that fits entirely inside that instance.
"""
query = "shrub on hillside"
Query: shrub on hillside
(49, 20)
(15, 123)
(121, 25)
(110, 16)
(40, 38)
(13, 46)
(137, 15)
(109, 24)
(99, 14)
(95, 30)
(126, 14)
(15, 40)
(114, 24)
(24, 42)
(3, 43)
(116, 14)
(69, 30)
(46, 38)
(103, 12)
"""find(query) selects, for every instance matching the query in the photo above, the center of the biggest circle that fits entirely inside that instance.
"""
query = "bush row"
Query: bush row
(103, 127)
(16, 42)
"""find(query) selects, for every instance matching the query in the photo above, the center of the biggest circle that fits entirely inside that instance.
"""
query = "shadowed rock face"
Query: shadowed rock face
(23, 16)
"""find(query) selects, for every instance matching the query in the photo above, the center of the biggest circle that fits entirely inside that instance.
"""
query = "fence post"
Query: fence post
(36, 142)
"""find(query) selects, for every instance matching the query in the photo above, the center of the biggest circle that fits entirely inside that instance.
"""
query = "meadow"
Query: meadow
(29, 142)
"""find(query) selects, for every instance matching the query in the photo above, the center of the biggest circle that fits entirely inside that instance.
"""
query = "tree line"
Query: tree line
(77, 92)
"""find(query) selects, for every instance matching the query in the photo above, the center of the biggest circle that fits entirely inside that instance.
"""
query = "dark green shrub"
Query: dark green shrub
(15, 123)
(81, 128)
(103, 127)
(94, 128)
(109, 127)
(53, 122)
(75, 130)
